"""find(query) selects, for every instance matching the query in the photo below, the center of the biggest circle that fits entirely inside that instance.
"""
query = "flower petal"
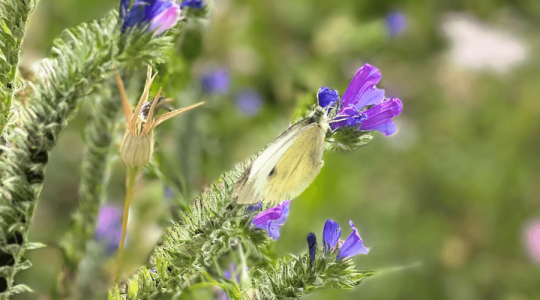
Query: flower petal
(166, 18)
(197, 4)
(135, 16)
(331, 234)
(353, 245)
(327, 97)
(350, 118)
(272, 219)
(362, 90)
(379, 117)
(312, 247)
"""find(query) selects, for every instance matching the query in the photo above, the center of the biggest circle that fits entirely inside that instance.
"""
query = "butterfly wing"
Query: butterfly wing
(297, 168)
(249, 187)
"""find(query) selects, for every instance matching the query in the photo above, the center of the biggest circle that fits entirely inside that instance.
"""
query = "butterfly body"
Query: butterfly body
(288, 165)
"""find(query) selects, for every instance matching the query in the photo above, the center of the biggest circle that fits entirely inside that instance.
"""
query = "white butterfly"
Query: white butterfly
(288, 166)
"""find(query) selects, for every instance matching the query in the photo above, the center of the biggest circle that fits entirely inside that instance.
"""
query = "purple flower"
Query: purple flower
(216, 81)
(396, 23)
(327, 97)
(362, 105)
(197, 4)
(272, 219)
(312, 247)
(255, 207)
(331, 234)
(379, 117)
(249, 102)
(109, 227)
(353, 245)
(159, 14)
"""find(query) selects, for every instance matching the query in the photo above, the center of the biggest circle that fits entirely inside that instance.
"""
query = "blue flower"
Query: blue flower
(249, 102)
(396, 23)
(272, 219)
(363, 105)
(197, 4)
(159, 14)
(255, 207)
(353, 245)
(216, 81)
(312, 247)
(109, 227)
(331, 234)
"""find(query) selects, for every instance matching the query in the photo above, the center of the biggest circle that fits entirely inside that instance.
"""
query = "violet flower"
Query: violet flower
(396, 23)
(249, 102)
(312, 247)
(272, 219)
(196, 4)
(216, 81)
(363, 105)
(331, 234)
(109, 227)
(352, 246)
(159, 14)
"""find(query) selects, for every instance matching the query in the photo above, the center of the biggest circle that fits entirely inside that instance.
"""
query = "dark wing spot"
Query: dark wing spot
(272, 173)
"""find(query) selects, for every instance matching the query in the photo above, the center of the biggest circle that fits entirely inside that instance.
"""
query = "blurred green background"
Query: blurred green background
(447, 197)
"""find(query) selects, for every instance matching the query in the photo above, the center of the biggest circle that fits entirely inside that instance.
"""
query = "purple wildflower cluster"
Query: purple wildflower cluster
(273, 218)
(352, 246)
(363, 105)
(160, 14)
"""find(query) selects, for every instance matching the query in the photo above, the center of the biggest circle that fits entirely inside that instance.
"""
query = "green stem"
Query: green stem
(130, 181)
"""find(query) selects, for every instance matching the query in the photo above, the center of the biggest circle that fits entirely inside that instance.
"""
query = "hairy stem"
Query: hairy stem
(13, 17)
(80, 59)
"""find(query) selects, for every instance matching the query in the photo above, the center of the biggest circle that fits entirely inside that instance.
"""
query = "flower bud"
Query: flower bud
(136, 150)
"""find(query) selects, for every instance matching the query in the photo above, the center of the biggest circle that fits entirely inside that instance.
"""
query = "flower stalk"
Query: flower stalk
(138, 144)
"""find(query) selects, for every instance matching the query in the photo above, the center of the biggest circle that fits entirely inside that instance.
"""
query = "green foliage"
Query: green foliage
(292, 276)
(207, 229)
(80, 59)
(99, 137)
(348, 139)
(13, 17)
(214, 226)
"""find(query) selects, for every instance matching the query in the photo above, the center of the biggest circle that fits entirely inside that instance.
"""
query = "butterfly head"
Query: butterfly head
(319, 116)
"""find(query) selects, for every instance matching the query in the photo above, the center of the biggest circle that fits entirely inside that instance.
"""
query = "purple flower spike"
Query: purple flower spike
(109, 227)
(216, 81)
(197, 4)
(331, 234)
(327, 97)
(312, 247)
(353, 245)
(379, 117)
(160, 14)
(362, 90)
(272, 219)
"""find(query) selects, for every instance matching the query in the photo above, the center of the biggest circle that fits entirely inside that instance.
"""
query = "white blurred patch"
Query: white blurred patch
(406, 136)
(478, 46)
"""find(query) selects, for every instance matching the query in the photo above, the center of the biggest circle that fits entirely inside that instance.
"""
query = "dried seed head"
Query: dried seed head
(136, 150)
(138, 143)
